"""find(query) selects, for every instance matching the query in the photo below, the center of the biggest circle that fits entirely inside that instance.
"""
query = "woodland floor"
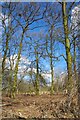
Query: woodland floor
(43, 106)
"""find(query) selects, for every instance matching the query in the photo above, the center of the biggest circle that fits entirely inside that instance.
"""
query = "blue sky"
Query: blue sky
(59, 66)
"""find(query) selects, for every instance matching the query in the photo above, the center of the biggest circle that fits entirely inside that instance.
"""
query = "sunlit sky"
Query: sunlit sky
(59, 66)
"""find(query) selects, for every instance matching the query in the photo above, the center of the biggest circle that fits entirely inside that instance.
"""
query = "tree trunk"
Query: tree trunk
(7, 41)
(74, 58)
(52, 77)
(16, 68)
(51, 61)
(8, 37)
(37, 74)
(67, 47)
(5, 55)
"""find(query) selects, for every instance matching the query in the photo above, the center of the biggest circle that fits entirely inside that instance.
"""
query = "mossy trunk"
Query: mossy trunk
(52, 77)
(51, 60)
(74, 58)
(67, 47)
(4, 61)
(5, 55)
(37, 74)
(9, 85)
(8, 37)
(14, 90)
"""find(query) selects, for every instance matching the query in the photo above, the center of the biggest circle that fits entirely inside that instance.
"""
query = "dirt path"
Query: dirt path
(43, 106)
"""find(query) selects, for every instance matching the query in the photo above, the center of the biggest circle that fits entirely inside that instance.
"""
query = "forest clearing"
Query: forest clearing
(40, 60)
(42, 106)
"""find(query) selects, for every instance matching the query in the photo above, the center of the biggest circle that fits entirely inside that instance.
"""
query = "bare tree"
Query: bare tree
(67, 46)
(52, 19)
(32, 15)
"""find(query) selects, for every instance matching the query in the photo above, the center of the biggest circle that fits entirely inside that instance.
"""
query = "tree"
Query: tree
(74, 28)
(50, 55)
(6, 25)
(32, 15)
(8, 31)
(67, 46)
(52, 18)
(36, 78)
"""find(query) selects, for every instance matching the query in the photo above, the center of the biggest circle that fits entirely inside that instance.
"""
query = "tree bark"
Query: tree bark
(74, 58)
(37, 74)
(52, 77)
(51, 62)
(5, 55)
(16, 67)
(50, 55)
(67, 47)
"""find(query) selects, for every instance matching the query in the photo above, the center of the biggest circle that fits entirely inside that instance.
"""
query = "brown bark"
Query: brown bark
(37, 73)
(67, 46)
